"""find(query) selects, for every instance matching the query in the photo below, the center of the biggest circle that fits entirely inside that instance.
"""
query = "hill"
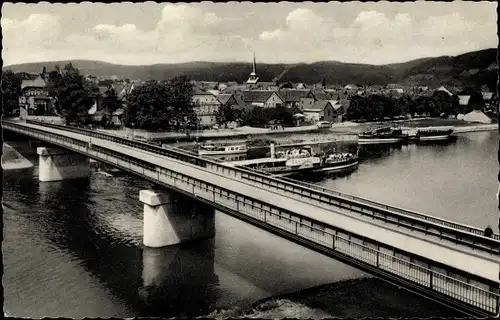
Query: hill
(473, 68)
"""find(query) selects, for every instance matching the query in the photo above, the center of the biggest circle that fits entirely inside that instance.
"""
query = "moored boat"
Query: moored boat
(299, 161)
(433, 133)
(382, 135)
(214, 150)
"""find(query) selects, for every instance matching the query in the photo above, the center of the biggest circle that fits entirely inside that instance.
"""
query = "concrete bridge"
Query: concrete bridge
(445, 261)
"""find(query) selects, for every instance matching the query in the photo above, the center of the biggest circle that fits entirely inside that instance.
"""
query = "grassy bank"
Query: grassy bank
(367, 297)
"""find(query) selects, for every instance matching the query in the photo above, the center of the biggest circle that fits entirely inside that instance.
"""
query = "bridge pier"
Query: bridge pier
(58, 164)
(171, 218)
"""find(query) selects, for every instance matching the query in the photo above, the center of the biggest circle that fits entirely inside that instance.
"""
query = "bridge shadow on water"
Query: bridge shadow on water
(170, 282)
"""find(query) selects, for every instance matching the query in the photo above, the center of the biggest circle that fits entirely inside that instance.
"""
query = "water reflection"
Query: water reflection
(454, 180)
(179, 280)
(371, 152)
(175, 281)
(22, 193)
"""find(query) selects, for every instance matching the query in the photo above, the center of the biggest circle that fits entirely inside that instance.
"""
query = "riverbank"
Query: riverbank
(343, 130)
(355, 298)
(208, 134)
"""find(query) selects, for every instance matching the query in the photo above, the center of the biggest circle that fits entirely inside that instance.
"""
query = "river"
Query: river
(73, 248)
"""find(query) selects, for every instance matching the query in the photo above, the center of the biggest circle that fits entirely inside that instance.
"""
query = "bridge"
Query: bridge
(445, 261)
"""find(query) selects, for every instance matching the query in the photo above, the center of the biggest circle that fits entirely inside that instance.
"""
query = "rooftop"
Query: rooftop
(38, 82)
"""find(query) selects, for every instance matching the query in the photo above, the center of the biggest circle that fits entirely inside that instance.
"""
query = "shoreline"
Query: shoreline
(344, 128)
(360, 298)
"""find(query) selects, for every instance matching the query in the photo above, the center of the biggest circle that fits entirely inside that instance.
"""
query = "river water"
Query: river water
(73, 248)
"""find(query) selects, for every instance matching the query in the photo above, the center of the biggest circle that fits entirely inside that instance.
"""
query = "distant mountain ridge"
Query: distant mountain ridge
(474, 68)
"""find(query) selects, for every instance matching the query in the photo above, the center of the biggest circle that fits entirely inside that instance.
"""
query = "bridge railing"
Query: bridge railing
(456, 231)
(321, 234)
(407, 212)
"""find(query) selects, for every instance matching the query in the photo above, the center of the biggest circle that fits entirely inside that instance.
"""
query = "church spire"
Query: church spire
(254, 64)
(254, 78)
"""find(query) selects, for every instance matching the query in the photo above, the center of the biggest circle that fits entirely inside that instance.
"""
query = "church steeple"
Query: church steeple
(254, 78)
(254, 65)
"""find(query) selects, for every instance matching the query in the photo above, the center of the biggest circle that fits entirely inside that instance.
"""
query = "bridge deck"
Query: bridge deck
(472, 262)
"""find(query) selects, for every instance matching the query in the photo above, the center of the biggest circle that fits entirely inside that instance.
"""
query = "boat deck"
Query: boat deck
(254, 161)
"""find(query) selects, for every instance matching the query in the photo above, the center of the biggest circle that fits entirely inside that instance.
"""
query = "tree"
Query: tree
(74, 96)
(148, 107)
(254, 116)
(161, 106)
(442, 103)
(180, 94)
(225, 114)
(110, 102)
(280, 114)
(11, 91)
(356, 110)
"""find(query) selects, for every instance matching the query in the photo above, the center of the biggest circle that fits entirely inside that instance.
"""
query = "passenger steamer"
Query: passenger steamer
(299, 161)
(382, 135)
(213, 150)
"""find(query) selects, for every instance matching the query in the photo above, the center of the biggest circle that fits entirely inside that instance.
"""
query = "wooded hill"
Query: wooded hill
(470, 69)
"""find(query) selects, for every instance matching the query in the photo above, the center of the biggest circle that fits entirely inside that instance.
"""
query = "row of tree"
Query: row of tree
(378, 107)
(161, 106)
(257, 116)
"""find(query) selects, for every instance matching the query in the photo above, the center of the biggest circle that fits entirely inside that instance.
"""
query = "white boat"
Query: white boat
(434, 133)
(213, 150)
(299, 161)
(382, 135)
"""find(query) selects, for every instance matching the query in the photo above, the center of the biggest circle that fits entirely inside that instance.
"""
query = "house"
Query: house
(306, 103)
(443, 89)
(206, 107)
(316, 96)
(117, 117)
(270, 86)
(235, 88)
(320, 94)
(213, 91)
(34, 98)
(351, 87)
(487, 96)
(292, 97)
(262, 98)
(463, 100)
(323, 110)
(123, 91)
(227, 100)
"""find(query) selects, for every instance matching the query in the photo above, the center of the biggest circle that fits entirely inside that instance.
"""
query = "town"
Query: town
(250, 160)
(186, 105)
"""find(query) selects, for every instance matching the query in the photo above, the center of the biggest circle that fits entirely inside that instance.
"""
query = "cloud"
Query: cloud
(37, 30)
(373, 37)
(186, 33)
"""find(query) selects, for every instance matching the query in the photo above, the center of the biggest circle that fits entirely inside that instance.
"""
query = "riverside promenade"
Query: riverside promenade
(344, 128)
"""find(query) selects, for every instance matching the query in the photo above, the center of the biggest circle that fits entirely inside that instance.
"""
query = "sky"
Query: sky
(149, 33)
